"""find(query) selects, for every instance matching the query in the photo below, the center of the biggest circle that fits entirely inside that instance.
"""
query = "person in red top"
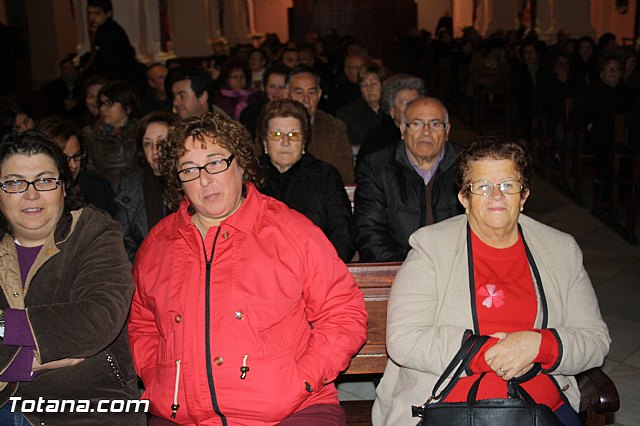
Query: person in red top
(243, 312)
(492, 272)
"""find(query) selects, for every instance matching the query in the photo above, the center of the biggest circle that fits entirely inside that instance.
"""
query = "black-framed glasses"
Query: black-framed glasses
(278, 136)
(107, 102)
(16, 186)
(484, 188)
(76, 157)
(214, 167)
(418, 125)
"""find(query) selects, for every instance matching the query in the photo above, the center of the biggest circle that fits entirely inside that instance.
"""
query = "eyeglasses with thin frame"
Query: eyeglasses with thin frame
(484, 188)
(418, 125)
(213, 167)
(16, 186)
(278, 136)
(76, 157)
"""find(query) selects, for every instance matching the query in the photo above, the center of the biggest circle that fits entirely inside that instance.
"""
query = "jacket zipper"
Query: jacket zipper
(207, 331)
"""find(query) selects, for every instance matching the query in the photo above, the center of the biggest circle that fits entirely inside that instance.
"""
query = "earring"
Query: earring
(521, 209)
(466, 211)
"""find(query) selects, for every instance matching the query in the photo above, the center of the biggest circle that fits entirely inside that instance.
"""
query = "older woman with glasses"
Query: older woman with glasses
(93, 188)
(67, 289)
(243, 313)
(310, 186)
(498, 273)
(110, 142)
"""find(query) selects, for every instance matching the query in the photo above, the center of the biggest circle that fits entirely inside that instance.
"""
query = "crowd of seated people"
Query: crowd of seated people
(355, 104)
(304, 110)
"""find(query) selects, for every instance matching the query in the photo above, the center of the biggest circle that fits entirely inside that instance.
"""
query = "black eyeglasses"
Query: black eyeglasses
(76, 157)
(214, 167)
(107, 102)
(16, 186)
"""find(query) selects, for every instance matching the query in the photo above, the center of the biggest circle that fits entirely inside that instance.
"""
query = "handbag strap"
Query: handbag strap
(459, 363)
(515, 391)
(461, 359)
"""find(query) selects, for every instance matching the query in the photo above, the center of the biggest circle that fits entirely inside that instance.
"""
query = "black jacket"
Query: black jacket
(391, 202)
(359, 118)
(96, 191)
(315, 189)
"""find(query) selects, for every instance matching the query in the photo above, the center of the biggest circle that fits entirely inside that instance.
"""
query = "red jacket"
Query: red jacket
(281, 302)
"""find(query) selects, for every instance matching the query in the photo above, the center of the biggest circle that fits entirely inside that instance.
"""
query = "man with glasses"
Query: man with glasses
(329, 139)
(406, 186)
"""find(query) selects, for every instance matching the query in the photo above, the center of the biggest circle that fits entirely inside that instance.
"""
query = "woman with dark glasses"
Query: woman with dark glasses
(111, 142)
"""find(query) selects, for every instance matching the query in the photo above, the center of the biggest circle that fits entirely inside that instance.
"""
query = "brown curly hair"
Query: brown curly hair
(493, 148)
(284, 108)
(207, 128)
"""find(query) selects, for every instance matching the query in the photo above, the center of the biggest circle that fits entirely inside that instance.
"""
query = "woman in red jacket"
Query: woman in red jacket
(243, 312)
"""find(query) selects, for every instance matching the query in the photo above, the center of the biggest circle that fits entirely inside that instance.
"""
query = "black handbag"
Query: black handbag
(517, 409)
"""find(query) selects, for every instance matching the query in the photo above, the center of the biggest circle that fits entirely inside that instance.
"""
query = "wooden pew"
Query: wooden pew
(625, 179)
(598, 393)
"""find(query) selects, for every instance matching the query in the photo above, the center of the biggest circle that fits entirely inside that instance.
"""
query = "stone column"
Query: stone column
(235, 22)
(429, 11)
(150, 28)
(462, 15)
(493, 15)
(49, 37)
(190, 27)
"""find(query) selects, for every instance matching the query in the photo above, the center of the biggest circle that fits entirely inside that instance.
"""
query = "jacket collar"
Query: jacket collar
(9, 258)
(242, 220)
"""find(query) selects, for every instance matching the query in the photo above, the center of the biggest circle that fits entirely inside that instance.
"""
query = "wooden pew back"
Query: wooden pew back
(374, 279)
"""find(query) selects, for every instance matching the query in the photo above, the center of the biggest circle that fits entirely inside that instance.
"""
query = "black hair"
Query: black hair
(105, 5)
(200, 79)
(123, 92)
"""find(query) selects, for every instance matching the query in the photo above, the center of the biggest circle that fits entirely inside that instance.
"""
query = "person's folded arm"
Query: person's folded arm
(413, 339)
(336, 311)
(98, 304)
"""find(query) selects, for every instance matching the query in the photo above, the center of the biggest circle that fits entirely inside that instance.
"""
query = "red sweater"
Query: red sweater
(506, 301)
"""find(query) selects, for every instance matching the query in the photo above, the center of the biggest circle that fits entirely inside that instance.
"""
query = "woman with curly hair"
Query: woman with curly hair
(243, 312)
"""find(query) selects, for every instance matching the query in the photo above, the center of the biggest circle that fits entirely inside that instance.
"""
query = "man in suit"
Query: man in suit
(329, 139)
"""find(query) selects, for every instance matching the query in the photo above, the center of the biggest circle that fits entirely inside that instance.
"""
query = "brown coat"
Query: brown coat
(77, 299)
(330, 143)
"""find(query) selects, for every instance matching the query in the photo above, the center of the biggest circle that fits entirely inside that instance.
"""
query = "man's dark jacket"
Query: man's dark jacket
(391, 202)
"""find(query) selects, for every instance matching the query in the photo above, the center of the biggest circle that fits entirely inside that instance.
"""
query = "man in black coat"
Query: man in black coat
(112, 53)
(406, 186)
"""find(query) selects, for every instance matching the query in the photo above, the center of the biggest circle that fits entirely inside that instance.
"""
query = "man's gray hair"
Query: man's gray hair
(301, 69)
(395, 84)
